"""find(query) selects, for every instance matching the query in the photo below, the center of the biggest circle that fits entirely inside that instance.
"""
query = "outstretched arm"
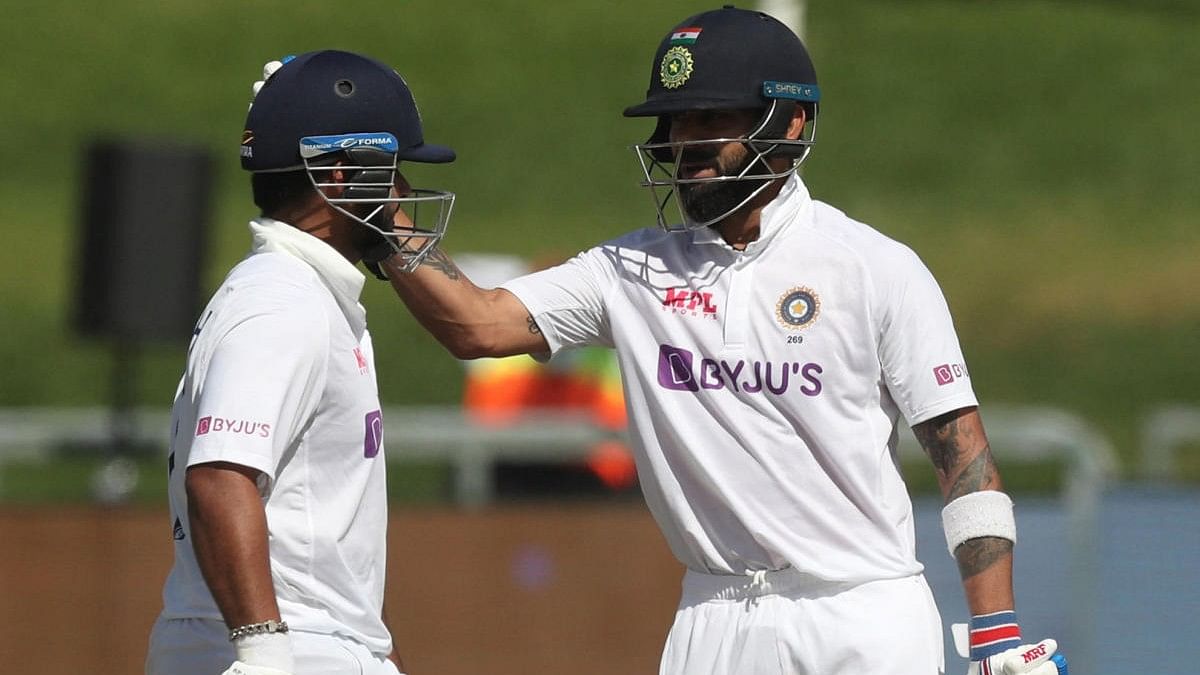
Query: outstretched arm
(469, 321)
(962, 458)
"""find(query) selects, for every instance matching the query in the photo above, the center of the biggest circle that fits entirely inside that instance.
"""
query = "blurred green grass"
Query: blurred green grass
(1040, 156)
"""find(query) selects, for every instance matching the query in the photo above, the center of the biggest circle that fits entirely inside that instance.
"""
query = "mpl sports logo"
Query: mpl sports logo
(315, 146)
(947, 373)
(680, 370)
(361, 360)
(686, 302)
(216, 425)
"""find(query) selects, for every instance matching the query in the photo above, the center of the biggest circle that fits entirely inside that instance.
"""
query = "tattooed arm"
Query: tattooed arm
(959, 449)
(469, 321)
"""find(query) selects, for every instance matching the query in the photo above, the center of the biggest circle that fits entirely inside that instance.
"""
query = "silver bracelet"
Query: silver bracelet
(268, 626)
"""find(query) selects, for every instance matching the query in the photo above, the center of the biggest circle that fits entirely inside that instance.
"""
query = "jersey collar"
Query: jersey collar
(342, 278)
(776, 216)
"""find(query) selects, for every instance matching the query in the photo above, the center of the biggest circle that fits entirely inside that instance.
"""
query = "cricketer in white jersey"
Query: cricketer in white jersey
(765, 385)
(764, 388)
(277, 467)
(280, 378)
(770, 346)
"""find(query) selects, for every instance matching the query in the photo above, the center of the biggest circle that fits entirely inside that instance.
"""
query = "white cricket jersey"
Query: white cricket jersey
(280, 377)
(764, 386)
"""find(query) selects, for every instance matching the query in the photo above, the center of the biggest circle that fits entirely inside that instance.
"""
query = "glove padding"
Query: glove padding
(374, 256)
(1037, 659)
(239, 668)
(1031, 659)
(269, 69)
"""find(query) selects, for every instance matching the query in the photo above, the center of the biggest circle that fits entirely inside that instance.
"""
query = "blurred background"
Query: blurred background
(1043, 157)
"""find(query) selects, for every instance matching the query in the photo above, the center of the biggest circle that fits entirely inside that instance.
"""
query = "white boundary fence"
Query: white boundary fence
(448, 434)
(434, 433)
(1164, 433)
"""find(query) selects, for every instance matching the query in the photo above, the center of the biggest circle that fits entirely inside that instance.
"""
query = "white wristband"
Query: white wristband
(271, 650)
(987, 513)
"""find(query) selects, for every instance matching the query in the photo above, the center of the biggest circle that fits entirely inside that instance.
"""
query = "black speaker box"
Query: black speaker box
(142, 244)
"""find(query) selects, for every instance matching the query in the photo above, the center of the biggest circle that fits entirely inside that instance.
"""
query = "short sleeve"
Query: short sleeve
(923, 364)
(261, 386)
(568, 301)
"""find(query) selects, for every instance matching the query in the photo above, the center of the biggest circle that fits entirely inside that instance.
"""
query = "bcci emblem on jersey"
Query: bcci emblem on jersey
(798, 308)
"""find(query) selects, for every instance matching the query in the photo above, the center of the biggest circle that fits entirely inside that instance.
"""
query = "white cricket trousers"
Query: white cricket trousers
(202, 647)
(787, 623)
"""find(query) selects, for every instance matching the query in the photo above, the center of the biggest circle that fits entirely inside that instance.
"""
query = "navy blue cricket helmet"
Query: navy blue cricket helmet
(348, 121)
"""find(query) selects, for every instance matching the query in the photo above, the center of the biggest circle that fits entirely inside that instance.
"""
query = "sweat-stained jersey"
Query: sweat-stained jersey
(280, 377)
(764, 387)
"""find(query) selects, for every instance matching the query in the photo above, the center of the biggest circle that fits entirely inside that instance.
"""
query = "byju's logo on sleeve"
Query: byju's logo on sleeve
(373, 434)
(213, 424)
(949, 372)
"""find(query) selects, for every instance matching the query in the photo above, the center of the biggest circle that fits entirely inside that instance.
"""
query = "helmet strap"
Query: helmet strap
(662, 134)
(774, 126)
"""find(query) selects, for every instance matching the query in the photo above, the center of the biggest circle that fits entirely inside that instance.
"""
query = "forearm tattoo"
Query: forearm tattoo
(949, 444)
(964, 467)
(533, 327)
(940, 438)
(438, 260)
(978, 474)
(977, 555)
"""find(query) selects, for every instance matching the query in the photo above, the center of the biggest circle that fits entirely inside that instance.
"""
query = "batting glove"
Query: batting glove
(994, 647)
(374, 256)
(269, 69)
(239, 668)
(262, 654)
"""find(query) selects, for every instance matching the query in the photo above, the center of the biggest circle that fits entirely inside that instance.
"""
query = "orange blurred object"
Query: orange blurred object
(499, 392)
(613, 464)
